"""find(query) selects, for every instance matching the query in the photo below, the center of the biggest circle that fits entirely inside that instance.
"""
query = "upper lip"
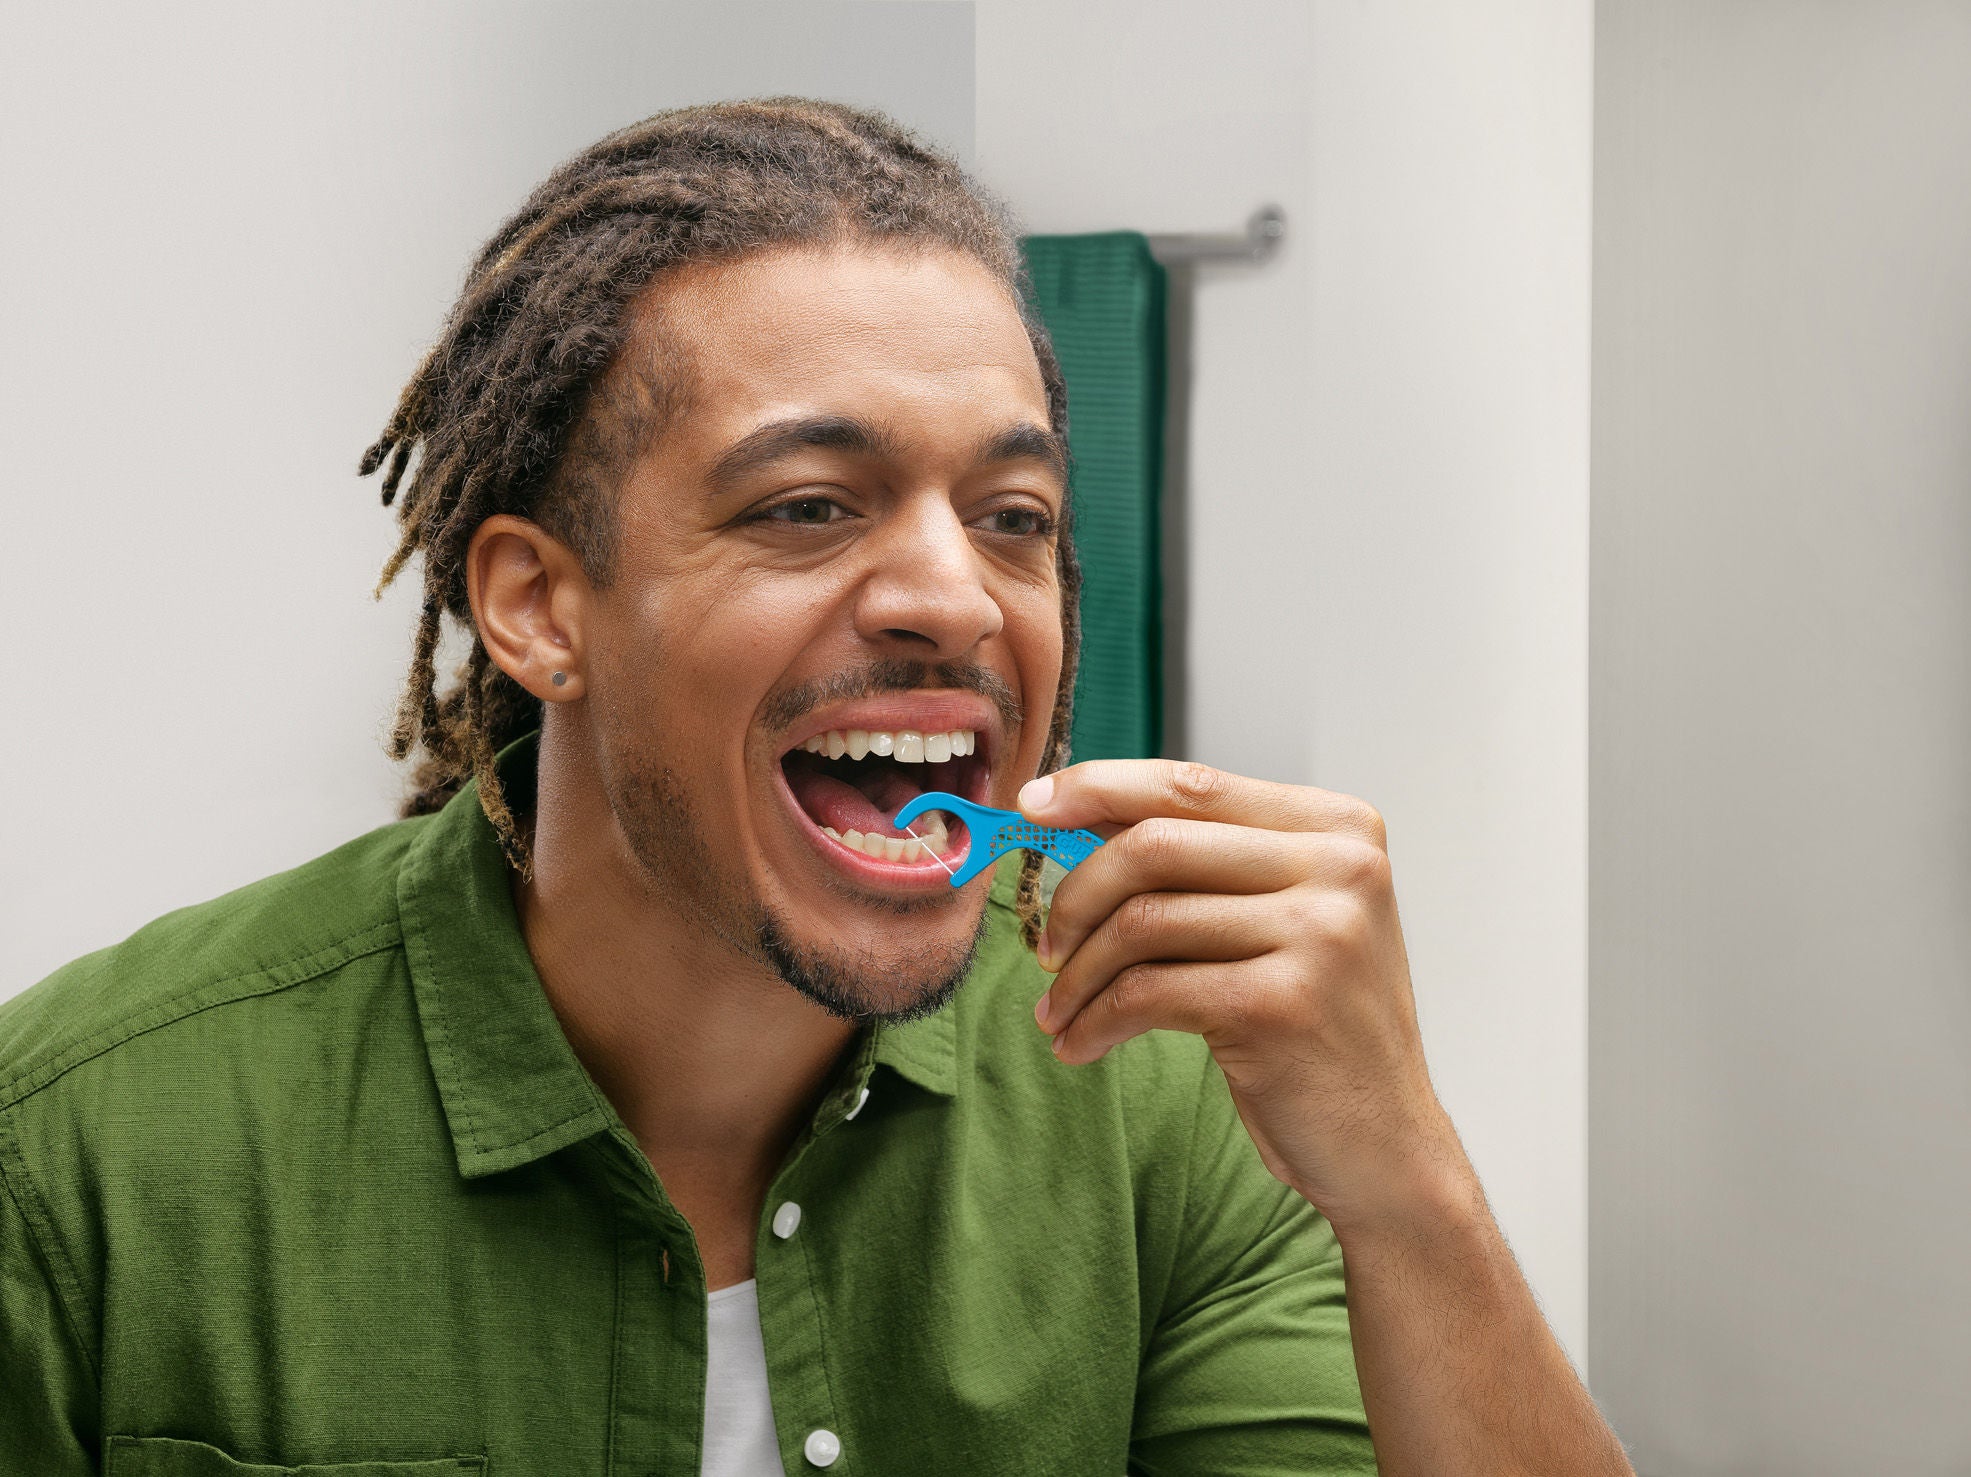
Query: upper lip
(939, 711)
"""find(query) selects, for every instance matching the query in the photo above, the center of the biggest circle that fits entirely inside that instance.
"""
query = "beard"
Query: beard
(664, 833)
(860, 987)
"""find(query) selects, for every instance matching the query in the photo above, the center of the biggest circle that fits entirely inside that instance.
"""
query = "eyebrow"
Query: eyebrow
(1026, 442)
(857, 437)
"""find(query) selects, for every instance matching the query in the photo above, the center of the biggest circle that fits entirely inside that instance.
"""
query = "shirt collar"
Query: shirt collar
(511, 1085)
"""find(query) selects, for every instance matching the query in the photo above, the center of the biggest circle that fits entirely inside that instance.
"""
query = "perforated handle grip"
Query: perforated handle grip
(996, 832)
(1069, 848)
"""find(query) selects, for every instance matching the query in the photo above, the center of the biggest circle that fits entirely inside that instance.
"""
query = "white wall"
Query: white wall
(1782, 736)
(229, 230)
(1388, 475)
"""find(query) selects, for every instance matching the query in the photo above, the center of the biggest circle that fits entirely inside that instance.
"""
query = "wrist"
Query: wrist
(1435, 1196)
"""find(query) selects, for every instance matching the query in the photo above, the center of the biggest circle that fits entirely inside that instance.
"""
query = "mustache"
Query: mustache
(785, 709)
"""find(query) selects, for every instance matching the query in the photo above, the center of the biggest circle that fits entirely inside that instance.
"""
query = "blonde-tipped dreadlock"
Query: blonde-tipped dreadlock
(516, 408)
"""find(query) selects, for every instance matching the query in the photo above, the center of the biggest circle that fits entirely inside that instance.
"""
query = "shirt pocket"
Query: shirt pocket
(167, 1456)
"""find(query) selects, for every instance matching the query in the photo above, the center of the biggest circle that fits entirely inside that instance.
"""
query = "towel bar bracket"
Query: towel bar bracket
(1264, 232)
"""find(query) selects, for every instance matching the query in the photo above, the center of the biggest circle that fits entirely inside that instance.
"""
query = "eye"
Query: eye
(807, 510)
(1019, 522)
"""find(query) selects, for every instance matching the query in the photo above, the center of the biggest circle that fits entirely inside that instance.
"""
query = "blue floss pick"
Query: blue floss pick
(996, 832)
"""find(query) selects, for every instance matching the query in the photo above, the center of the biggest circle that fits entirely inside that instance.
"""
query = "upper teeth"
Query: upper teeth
(905, 745)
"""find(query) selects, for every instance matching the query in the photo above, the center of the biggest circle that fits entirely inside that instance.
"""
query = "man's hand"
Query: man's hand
(1261, 917)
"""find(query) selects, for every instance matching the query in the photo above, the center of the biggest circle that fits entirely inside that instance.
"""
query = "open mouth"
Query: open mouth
(848, 784)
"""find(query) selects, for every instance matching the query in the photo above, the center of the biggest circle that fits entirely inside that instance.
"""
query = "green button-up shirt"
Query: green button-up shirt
(308, 1178)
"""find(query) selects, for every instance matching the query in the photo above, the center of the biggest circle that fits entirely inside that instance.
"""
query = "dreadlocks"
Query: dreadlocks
(531, 402)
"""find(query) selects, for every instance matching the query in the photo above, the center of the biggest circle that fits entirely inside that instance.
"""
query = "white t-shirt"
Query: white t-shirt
(739, 1437)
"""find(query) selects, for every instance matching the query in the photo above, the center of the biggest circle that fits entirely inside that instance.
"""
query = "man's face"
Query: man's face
(845, 538)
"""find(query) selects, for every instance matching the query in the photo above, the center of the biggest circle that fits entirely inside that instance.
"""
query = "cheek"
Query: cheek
(738, 637)
(1033, 630)
(702, 653)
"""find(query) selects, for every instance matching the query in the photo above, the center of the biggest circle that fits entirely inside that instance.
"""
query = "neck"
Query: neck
(711, 1060)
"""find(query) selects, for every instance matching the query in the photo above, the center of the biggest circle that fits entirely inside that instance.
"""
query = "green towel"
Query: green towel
(1102, 299)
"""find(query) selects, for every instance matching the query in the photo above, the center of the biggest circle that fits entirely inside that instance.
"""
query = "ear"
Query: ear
(530, 600)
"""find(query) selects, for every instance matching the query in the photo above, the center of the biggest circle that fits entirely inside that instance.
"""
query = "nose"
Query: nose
(925, 595)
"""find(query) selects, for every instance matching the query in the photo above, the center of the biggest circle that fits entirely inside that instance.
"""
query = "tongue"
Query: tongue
(831, 801)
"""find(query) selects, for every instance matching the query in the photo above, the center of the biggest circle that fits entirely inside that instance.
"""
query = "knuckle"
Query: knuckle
(1369, 820)
(1155, 842)
(1064, 918)
(1198, 785)
(1141, 918)
(1365, 864)
(1124, 995)
(1345, 923)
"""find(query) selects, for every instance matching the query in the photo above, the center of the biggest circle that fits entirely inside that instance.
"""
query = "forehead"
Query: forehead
(904, 334)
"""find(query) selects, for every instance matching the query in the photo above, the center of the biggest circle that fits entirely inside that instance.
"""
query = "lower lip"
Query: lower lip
(924, 876)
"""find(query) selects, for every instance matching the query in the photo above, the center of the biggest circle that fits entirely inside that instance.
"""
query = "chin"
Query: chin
(901, 974)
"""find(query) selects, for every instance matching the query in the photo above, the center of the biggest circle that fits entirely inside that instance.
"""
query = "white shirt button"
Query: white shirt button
(823, 1447)
(785, 1220)
(858, 1106)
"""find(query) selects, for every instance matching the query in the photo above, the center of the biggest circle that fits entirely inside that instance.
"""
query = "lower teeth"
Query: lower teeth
(893, 848)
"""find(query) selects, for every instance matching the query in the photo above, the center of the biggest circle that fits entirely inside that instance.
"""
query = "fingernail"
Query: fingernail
(1059, 1041)
(1040, 1012)
(1035, 794)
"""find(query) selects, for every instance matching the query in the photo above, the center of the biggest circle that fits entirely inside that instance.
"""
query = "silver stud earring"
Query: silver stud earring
(560, 679)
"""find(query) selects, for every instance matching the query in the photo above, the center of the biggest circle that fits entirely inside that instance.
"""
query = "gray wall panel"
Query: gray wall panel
(1780, 737)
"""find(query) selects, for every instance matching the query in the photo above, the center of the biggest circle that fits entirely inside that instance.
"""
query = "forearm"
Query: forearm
(1459, 1372)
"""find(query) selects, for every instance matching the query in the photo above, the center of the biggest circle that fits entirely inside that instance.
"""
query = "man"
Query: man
(645, 1100)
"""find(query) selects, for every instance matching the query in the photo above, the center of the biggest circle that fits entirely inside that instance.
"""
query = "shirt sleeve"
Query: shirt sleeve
(47, 1390)
(1249, 1371)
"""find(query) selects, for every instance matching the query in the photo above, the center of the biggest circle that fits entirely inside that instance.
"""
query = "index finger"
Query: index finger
(1124, 791)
